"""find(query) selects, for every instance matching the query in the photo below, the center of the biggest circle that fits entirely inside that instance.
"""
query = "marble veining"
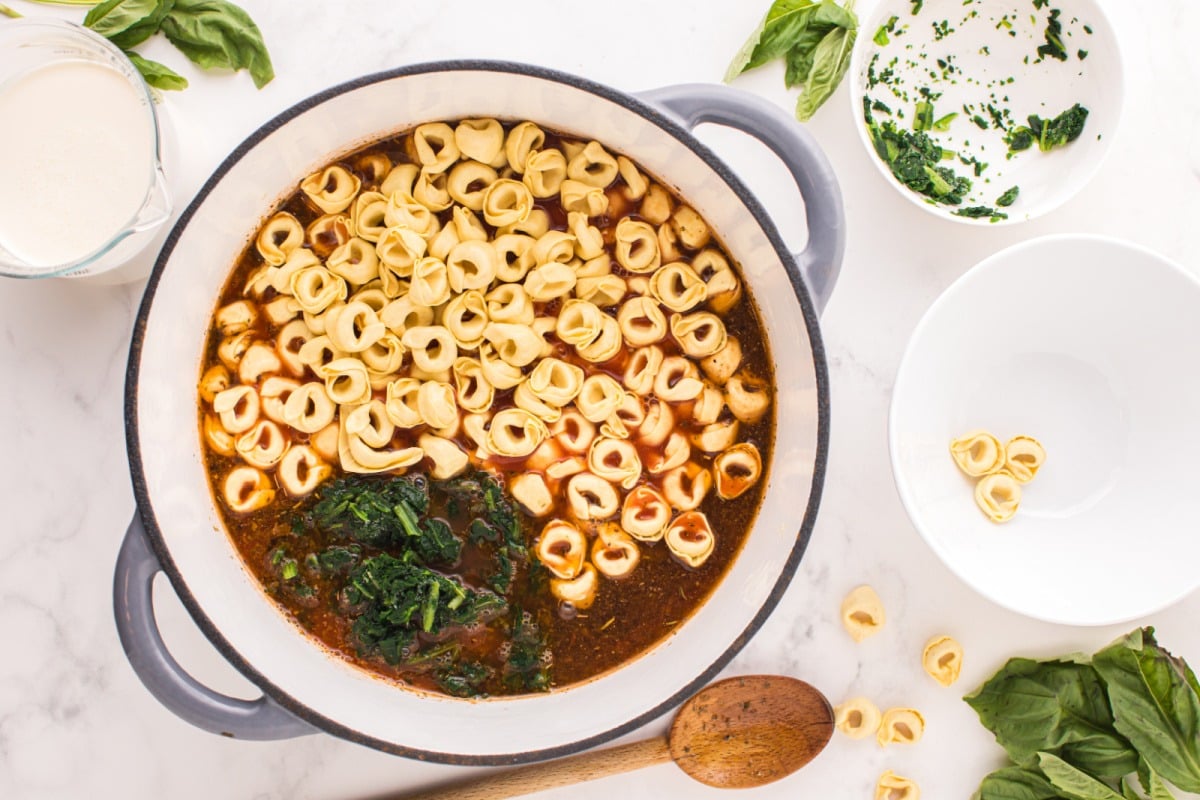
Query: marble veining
(75, 721)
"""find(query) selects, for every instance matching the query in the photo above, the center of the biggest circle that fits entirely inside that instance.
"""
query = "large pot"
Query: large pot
(179, 532)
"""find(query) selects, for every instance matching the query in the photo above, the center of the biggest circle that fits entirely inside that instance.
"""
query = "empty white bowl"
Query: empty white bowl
(1092, 346)
(982, 52)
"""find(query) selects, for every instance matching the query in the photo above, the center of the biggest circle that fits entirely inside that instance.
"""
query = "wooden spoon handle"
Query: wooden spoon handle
(552, 774)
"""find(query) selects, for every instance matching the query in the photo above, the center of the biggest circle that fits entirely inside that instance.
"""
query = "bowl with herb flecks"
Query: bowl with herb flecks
(987, 113)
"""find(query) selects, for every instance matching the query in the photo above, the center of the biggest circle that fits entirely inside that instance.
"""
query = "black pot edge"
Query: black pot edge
(295, 706)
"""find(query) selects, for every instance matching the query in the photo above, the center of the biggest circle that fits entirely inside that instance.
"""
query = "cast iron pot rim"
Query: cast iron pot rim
(297, 707)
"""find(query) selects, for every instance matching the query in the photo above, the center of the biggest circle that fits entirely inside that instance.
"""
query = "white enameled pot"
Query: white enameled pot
(179, 531)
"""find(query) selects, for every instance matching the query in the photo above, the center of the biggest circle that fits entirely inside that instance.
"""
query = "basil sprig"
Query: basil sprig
(212, 33)
(814, 38)
(1079, 728)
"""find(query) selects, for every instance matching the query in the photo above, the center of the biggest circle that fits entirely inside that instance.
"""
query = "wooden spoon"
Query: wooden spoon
(734, 734)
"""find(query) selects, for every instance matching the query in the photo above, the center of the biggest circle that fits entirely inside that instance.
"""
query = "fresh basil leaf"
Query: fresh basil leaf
(799, 59)
(158, 75)
(1057, 706)
(830, 61)
(1015, 783)
(1155, 705)
(1073, 783)
(1127, 791)
(1152, 784)
(114, 16)
(216, 33)
(141, 31)
(776, 34)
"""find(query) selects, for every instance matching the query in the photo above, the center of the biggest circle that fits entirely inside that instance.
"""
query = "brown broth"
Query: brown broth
(628, 616)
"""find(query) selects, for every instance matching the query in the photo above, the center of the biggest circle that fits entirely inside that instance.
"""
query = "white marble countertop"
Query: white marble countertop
(75, 721)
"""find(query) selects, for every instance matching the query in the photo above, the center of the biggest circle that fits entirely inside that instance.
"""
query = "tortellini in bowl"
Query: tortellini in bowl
(496, 296)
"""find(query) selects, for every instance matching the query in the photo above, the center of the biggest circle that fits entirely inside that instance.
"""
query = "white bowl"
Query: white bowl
(1046, 180)
(1090, 345)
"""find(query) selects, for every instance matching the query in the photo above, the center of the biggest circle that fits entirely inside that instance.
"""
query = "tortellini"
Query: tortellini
(690, 539)
(645, 514)
(857, 718)
(736, 470)
(977, 453)
(332, 190)
(1023, 457)
(862, 613)
(530, 490)
(998, 495)
(1000, 470)
(637, 247)
(281, 234)
(900, 726)
(486, 295)
(447, 457)
(942, 659)
(895, 787)
(562, 548)
(301, 470)
(515, 432)
(614, 553)
(247, 489)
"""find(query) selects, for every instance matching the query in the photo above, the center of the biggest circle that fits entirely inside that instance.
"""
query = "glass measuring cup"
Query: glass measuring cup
(32, 48)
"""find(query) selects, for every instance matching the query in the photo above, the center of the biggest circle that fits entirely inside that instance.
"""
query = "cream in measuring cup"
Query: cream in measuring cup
(82, 186)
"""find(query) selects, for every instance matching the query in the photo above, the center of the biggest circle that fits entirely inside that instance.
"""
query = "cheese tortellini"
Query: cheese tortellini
(496, 296)
(900, 726)
(942, 659)
(862, 613)
(1001, 470)
(857, 718)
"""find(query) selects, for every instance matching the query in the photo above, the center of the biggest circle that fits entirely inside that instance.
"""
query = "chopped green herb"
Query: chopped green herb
(1087, 29)
(1049, 133)
(923, 116)
(916, 6)
(1005, 200)
(943, 123)
(1082, 54)
(980, 121)
(979, 212)
(290, 569)
(399, 599)
(1053, 46)
(528, 660)
(941, 30)
(915, 159)
(881, 35)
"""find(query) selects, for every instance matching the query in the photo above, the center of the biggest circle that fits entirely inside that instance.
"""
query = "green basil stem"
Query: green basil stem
(64, 2)
(8, 12)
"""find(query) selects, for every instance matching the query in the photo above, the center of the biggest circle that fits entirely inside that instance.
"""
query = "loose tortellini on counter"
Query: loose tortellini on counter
(942, 659)
(900, 726)
(862, 613)
(857, 718)
(1001, 470)
(894, 787)
(488, 295)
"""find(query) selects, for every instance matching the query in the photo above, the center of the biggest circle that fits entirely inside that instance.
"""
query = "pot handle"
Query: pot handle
(693, 103)
(133, 606)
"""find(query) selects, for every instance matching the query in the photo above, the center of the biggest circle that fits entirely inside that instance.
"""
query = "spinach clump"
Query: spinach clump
(400, 598)
(1081, 727)
(494, 520)
(1048, 134)
(384, 513)
(915, 159)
